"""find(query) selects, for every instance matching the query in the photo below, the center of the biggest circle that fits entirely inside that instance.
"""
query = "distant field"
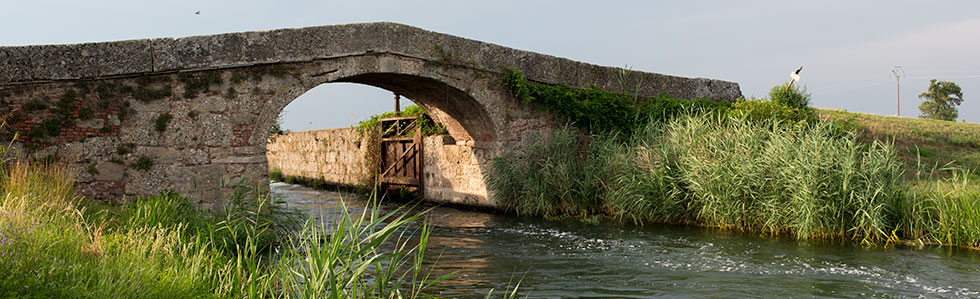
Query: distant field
(936, 142)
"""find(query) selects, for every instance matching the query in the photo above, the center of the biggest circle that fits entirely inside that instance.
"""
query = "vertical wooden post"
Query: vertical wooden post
(398, 107)
(381, 155)
(418, 160)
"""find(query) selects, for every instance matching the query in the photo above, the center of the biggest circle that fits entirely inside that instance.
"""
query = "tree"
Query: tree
(941, 100)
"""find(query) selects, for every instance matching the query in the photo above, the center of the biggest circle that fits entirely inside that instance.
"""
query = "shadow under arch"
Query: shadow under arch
(453, 170)
(464, 117)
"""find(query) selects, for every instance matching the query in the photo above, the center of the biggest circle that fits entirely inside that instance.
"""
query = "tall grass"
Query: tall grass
(944, 211)
(349, 259)
(806, 181)
(54, 243)
(741, 173)
(550, 178)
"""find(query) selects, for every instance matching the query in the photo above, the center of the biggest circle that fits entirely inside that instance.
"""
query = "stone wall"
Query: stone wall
(127, 137)
(336, 156)
(453, 173)
(192, 114)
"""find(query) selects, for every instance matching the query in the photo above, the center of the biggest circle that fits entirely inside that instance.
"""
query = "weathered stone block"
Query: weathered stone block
(124, 57)
(258, 48)
(209, 104)
(291, 45)
(163, 55)
(161, 155)
(60, 62)
(332, 41)
(15, 64)
(110, 171)
(95, 123)
(240, 159)
(151, 182)
(211, 50)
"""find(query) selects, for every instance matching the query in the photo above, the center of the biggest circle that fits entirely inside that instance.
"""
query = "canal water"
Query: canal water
(553, 259)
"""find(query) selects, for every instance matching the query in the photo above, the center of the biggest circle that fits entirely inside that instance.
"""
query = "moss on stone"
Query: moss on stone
(161, 123)
(144, 163)
(92, 170)
(195, 83)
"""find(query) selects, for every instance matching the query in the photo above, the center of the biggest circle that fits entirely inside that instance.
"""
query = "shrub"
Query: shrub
(275, 174)
(762, 110)
(428, 125)
(793, 97)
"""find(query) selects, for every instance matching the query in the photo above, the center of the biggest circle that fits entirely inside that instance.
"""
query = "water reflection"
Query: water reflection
(569, 259)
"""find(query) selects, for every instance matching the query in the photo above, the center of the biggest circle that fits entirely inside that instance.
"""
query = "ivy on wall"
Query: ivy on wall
(600, 111)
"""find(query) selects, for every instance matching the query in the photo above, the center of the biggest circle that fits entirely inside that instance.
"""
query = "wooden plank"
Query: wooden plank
(397, 139)
(399, 158)
(399, 152)
(419, 155)
(401, 181)
(417, 171)
(394, 118)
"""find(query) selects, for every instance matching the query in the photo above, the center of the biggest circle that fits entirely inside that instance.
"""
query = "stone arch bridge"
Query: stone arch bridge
(192, 114)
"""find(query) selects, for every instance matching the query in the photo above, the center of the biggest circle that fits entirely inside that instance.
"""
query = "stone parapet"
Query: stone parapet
(137, 57)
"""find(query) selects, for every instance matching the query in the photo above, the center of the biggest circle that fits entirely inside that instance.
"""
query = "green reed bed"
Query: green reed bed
(54, 243)
(806, 180)
(943, 211)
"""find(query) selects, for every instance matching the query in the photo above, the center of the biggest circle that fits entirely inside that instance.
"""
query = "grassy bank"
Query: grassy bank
(920, 143)
(54, 243)
(717, 170)
(773, 167)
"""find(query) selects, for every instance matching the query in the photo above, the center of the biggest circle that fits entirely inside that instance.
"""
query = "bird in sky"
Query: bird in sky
(198, 12)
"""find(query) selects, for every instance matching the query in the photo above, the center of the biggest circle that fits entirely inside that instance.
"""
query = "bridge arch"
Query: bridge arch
(183, 105)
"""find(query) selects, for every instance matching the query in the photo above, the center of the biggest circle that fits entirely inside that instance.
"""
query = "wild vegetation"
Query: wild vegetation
(923, 145)
(370, 133)
(429, 126)
(599, 111)
(757, 166)
(55, 244)
(942, 97)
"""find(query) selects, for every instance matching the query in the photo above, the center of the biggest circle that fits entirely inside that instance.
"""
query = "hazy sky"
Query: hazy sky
(847, 48)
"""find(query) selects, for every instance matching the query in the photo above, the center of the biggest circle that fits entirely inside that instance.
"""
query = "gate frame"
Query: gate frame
(393, 131)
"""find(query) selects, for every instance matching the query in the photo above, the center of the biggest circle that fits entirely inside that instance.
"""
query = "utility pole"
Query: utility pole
(898, 73)
(398, 107)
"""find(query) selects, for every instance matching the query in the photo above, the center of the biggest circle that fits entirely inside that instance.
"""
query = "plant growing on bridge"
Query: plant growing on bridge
(144, 163)
(428, 125)
(161, 122)
(195, 83)
(600, 111)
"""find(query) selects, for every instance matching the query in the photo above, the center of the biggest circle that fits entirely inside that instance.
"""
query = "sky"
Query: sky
(847, 48)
